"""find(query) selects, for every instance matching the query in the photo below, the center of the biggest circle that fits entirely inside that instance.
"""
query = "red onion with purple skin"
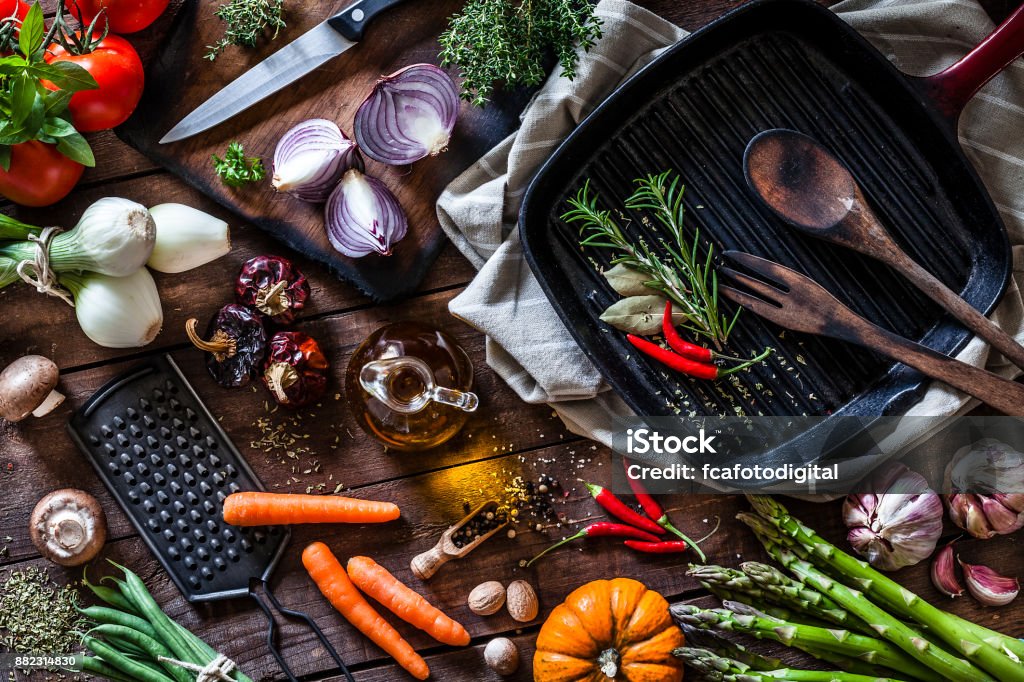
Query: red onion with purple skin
(311, 158)
(409, 115)
(363, 216)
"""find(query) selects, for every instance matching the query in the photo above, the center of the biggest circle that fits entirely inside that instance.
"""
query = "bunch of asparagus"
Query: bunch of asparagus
(838, 609)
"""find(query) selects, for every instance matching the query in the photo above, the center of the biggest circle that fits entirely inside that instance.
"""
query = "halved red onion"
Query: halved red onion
(363, 216)
(408, 116)
(310, 159)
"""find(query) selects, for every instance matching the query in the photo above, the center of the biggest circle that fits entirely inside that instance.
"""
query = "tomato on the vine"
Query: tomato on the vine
(118, 71)
(123, 16)
(16, 8)
(39, 175)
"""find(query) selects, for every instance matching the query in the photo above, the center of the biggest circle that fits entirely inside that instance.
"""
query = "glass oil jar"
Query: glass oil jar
(408, 385)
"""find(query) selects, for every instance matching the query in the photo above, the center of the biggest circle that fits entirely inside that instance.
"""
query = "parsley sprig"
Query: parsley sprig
(236, 169)
(508, 42)
(31, 111)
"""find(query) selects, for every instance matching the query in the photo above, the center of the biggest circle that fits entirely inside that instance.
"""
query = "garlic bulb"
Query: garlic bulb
(114, 237)
(986, 481)
(186, 238)
(897, 522)
(987, 586)
(116, 312)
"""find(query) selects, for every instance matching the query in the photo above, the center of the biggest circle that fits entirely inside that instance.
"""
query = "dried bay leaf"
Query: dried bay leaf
(627, 282)
(640, 315)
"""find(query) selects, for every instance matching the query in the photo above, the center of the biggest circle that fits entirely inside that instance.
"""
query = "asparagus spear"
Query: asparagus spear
(805, 637)
(764, 585)
(709, 639)
(887, 626)
(720, 669)
(989, 650)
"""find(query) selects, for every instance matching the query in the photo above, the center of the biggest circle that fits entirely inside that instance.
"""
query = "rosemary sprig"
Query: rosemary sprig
(688, 280)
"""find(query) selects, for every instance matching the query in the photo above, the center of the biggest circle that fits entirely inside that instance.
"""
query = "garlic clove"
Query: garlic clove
(186, 238)
(943, 572)
(989, 587)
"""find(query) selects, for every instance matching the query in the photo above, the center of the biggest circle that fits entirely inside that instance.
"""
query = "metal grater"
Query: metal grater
(170, 465)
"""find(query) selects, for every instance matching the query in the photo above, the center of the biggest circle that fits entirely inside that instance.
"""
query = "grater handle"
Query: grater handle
(296, 615)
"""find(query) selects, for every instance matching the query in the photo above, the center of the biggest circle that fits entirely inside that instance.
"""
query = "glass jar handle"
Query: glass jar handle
(377, 377)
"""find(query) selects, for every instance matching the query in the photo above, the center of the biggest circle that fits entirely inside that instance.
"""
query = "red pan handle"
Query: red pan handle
(951, 89)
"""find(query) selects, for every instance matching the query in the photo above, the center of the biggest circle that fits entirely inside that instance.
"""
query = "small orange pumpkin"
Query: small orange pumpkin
(609, 630)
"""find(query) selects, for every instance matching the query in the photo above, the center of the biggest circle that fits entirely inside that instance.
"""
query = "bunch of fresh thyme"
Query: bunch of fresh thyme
(508, 41)
(247, 21)
(684, 277)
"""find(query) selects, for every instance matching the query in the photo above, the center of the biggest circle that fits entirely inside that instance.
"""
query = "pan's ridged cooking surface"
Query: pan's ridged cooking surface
(169, 464)
(702, 107)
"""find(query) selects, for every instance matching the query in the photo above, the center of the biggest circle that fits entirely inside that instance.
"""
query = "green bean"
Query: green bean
(110, 596)
(126, 665)
(99, 667)
(102, 614)
(146, 645)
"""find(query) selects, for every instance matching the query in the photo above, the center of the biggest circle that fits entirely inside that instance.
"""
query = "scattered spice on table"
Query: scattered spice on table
(38, 616)
(285, 441)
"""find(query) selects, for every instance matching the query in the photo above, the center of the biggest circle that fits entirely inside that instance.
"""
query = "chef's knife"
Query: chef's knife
(314, 48)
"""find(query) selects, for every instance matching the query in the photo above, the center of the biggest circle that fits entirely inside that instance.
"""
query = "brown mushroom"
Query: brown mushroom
(68, 527)
(27, 386)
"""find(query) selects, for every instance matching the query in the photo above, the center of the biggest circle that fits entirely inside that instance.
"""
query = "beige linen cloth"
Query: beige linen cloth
(528, 345)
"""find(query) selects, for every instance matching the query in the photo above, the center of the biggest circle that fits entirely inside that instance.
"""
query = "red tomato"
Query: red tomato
(118, 70)
(39, 174)
(124, 16)
(9, 7)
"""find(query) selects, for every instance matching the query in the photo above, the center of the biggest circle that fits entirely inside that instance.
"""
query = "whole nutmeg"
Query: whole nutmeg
(522, 601)
(502, 656)
(487, 598)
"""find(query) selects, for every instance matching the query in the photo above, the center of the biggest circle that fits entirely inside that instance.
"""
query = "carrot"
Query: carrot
(270, 509)
(328, 574)
(375, 581)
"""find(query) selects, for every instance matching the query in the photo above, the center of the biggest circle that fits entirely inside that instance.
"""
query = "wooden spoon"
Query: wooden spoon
(809, 188)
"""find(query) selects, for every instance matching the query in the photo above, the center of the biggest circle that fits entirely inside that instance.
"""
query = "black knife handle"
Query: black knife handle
(352, 21)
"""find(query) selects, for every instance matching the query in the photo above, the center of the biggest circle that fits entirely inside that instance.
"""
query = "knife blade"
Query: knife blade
(312, 49)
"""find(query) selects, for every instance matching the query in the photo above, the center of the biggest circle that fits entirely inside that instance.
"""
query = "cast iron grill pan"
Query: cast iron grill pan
(773, 64)
(170, 465)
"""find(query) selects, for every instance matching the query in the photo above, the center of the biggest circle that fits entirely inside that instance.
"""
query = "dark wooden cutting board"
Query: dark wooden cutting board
(179, 79)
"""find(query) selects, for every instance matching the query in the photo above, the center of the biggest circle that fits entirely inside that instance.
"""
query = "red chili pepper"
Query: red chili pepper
(621, 510)
(700, 370)
(666, 547)
(680, 345)
(602, 529)
(654, 510)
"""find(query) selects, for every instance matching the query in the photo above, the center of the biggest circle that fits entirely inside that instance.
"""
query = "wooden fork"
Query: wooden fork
(796, 302)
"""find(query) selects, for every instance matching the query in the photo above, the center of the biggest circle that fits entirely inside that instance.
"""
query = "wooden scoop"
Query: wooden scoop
(808, 187)
(427, 564)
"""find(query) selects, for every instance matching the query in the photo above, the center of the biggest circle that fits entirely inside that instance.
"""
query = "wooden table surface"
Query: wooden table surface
(504, 438)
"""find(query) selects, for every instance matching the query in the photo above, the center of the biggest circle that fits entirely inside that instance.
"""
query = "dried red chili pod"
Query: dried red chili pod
(295, 370)
(273, 286)
(236, 344)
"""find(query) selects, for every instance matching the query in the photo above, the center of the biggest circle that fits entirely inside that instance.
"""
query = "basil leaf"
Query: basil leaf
(57, 101)
(30, 37)
(5, 157)
(23, 96)
(65, 75)
(58, 127)
(77, 149)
